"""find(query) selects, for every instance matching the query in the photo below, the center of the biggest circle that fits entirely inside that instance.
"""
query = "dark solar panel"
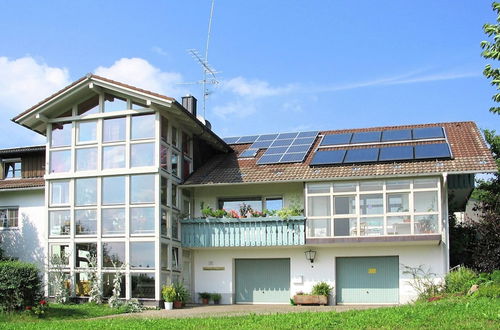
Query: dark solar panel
(300, 141)
(361, 155)
(231, 140)
(335, 139)
(293, 157)
(432, 151)
(248, 153)
(247, 139)
(308, 134)
(282, 143)
(428, 133)
(276, 150)
(366, 137)
(287, 135)
(267, 137)
(261, 144)
(396, 135)
(328, 157)
(269, 159)
(395, 153)
(302, 148)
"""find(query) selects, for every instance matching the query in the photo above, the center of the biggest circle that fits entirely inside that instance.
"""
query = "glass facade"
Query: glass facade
(113, 193)
(373, 208)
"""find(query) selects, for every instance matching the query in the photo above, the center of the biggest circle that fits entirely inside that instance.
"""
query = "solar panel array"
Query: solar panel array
(434, 132)
(281, 148)
(383, 154)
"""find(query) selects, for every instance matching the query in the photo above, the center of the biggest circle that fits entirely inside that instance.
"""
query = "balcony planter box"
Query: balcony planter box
(308, 299)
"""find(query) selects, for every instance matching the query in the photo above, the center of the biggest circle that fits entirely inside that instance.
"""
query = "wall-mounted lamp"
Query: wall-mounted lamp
(310, 255)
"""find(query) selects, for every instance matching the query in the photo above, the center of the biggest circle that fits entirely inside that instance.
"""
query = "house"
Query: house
(126, 172)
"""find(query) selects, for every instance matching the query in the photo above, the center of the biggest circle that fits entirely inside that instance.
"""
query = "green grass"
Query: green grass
(452, 313)
(60, 312)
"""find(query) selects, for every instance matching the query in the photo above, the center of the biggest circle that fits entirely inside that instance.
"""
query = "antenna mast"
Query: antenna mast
(209, 73)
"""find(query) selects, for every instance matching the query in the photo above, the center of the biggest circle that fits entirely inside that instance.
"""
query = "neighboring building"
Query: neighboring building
(124, 165)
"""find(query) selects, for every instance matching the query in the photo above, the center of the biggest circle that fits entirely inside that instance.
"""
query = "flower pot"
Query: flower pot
(216, 302)
(169, 305)
(178, 304)
(307, 299)
(204, 301)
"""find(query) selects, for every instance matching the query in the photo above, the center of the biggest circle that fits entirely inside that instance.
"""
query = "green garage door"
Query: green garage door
(262, 280)
(367, 280)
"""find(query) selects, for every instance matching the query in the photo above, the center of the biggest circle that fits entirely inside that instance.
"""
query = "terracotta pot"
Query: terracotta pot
(178, 304)
(204, 301)
(307, 299)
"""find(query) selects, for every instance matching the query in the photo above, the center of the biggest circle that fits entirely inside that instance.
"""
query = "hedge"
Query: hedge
(20, 285)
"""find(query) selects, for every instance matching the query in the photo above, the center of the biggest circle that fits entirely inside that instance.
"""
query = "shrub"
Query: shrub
(321, 289)
(20, 285)
(216, 297)
(490, 291)
(168, 293)
(460, 280)
(204, 295)
(181, 293)
(423, 282)
(132, 306)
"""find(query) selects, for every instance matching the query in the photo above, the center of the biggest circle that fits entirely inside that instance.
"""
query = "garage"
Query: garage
(367, 280)
(262, 281)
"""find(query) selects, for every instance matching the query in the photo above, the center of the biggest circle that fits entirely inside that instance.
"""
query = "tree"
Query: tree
(491, 50)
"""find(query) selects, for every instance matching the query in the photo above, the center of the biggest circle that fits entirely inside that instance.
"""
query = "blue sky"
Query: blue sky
(285, 65)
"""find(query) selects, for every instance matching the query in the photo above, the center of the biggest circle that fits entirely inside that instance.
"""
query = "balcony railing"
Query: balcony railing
(246, 232)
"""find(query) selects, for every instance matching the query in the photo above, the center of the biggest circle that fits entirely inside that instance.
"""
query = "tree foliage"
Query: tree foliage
(491, 50)
(476, 243)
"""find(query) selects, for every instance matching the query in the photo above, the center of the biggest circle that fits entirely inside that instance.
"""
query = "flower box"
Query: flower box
(307, 299)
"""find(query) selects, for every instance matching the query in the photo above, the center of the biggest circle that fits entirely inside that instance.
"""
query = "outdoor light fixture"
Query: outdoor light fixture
(310, 255)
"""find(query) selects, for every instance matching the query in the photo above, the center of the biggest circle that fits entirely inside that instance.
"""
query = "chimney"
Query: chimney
(189, 102)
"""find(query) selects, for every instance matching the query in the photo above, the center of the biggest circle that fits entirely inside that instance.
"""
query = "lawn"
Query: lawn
(453, 313)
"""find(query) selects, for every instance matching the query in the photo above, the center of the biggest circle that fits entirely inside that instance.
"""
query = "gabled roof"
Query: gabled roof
(34, 118)
(22, 184)
(470, 155)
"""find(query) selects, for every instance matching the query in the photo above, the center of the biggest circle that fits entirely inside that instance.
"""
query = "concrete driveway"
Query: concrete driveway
(237, 310)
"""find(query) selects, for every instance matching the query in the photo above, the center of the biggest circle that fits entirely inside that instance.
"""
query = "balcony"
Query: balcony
(246, 232)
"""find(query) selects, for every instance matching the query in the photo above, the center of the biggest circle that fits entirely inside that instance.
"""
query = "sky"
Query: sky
(284, 65)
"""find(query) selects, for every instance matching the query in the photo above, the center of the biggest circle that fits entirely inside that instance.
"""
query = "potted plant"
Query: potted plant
(181, 295)
(318, 296)
(216, 298)
(205, 297)
(169, 294)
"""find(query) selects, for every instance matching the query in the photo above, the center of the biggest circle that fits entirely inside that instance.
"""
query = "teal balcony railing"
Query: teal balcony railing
(247, 232)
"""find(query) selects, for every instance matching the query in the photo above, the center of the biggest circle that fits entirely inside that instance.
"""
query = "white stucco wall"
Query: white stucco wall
(222, 281)
(290, 192)
(27, 242)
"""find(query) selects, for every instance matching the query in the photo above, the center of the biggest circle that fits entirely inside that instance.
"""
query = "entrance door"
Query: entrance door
(262, 281)
(367, 280)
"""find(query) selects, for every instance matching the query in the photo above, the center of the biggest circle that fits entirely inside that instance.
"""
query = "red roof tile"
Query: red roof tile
(21, 183)
(470, 154)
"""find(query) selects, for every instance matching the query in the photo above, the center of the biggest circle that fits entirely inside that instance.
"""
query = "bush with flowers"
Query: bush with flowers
(40, 309)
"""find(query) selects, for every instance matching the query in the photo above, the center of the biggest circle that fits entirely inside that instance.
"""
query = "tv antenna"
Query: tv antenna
(209, 73)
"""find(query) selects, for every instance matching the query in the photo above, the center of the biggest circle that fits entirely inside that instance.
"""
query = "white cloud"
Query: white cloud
(140, 73)
(255, 88)
(238, 109)
(26, 82)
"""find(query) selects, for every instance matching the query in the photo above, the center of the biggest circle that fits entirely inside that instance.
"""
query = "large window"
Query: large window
(373, 208)
(9, 217)
(108, 285)
(87, 131)
(59, 222)
(113, 157)
(84, 253)
(86, 191)
(113, 254)
(86, 222)
(12, 169)
(86, 159)
(113, 190)
(113, 103)
(256, 203)
(142, 255)
(59, 192)
(61, 135)
(142, 188)
(113, 130)
(142, 220)
(89, 106)
(143, 127)
(60, 161)
(142, 154)
(113, 221)
(143, 285)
